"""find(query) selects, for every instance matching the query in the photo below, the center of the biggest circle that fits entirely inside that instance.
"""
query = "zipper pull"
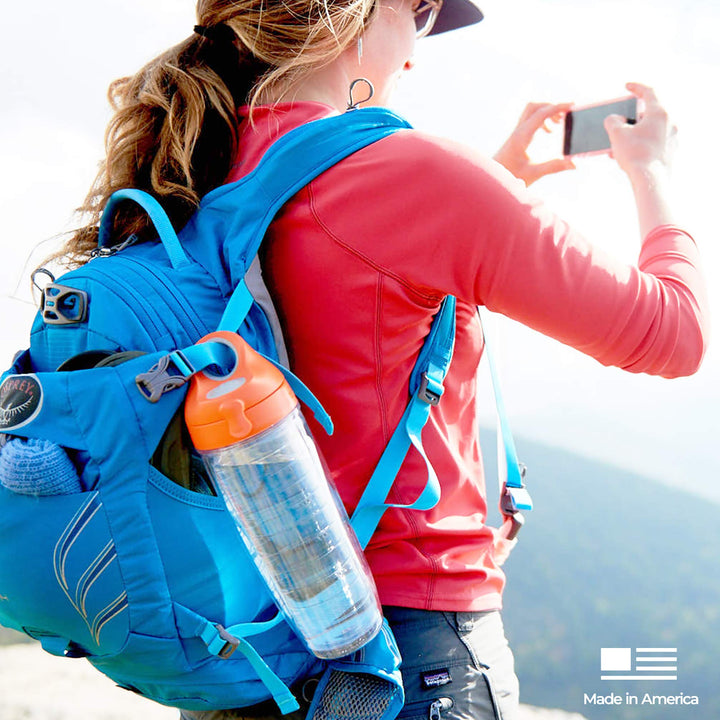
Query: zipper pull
(438, 706)
(107, 251)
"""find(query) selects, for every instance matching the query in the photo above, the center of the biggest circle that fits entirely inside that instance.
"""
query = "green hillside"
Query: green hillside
(611, 559)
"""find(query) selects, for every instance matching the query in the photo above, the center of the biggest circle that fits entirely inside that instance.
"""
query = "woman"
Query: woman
(359, 261)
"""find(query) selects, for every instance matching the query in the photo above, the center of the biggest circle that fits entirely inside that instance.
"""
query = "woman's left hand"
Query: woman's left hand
(513, 155)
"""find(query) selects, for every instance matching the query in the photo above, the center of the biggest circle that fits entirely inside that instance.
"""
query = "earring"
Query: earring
(354, 104)
(360, 48)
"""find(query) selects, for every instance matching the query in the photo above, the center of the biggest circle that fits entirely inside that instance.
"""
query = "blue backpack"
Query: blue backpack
(102, 554)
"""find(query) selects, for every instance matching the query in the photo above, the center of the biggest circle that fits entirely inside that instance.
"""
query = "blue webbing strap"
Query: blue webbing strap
(280, 692)
(200, 356)
(235, 312)
(237, 308)
(173, 370)
(224, 641)
(426, 387)
(155, 212)
(514, 497)
(305, 395)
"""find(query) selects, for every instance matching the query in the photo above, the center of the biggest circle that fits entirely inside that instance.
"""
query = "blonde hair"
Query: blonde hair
(174, 128)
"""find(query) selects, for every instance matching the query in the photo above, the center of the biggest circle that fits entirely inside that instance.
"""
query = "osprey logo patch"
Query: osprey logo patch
(20, 401)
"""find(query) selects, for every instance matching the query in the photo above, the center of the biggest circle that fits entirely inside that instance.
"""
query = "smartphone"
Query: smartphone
(585, 133)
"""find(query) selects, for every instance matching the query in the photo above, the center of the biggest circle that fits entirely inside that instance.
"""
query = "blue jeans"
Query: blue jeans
(456, 666)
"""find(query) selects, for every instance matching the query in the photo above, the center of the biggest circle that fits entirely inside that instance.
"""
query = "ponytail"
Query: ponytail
(174, 128)
(173, 134)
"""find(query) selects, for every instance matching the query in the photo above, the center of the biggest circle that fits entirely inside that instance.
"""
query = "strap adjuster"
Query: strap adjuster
(430, 390)
(159, 379)
(510, 503)
(231, 643)
(515, 499)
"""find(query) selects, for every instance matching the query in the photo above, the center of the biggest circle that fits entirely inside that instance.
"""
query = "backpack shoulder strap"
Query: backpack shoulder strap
(289, 165)
(293, 161)
(426, 388)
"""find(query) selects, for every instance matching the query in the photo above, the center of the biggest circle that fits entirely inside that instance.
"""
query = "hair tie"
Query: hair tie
(234, 64)
(220, 33)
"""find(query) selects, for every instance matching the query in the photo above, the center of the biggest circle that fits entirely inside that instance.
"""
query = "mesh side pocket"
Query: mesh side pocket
(354, 696)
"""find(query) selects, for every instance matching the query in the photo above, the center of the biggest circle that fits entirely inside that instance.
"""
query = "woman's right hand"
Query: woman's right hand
(647, 144)
(644, 151)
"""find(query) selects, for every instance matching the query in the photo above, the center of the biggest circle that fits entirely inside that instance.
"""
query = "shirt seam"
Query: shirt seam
(379, 391)
(362, 257)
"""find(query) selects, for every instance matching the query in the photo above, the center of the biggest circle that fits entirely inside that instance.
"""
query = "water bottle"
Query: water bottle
(264, 463)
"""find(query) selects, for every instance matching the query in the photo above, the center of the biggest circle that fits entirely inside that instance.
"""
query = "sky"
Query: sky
(57, 60)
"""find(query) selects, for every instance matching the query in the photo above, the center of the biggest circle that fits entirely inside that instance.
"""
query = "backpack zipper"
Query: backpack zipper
(438, 707)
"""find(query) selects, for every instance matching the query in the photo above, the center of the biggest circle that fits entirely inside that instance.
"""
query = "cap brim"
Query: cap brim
(456, 14)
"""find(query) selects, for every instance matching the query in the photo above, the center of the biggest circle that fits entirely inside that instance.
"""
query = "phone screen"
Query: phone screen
(584, 129)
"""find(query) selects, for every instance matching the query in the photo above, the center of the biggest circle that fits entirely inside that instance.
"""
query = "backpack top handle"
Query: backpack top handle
(157, 215)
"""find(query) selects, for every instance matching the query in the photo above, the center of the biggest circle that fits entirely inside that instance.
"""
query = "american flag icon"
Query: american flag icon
(638, 663)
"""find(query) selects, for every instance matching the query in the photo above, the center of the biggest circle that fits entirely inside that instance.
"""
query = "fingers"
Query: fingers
(646, 94)
(613, 122)
(513, 155)
(619, 130)
(650, 140)
(536, 116)
(651, 109)
(530, 110)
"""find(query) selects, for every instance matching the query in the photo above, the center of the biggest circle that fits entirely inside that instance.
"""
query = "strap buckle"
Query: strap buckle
(517, 521)
(231, 643)
(430, 390)
(159, 379)
(512, 501)
(515, 499)
(510, 504)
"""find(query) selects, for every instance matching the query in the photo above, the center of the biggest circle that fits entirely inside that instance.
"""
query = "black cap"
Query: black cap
(456, 14)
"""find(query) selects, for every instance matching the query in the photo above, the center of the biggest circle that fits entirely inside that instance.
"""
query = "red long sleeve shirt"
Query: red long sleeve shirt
(358, 263)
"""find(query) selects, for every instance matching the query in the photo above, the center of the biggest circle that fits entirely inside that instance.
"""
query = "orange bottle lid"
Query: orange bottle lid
(221, 411)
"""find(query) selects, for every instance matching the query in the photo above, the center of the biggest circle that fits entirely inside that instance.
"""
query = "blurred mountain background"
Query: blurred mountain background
(609, 558)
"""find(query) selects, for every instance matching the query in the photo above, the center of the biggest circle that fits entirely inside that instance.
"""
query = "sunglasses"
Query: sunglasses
(425, 16)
